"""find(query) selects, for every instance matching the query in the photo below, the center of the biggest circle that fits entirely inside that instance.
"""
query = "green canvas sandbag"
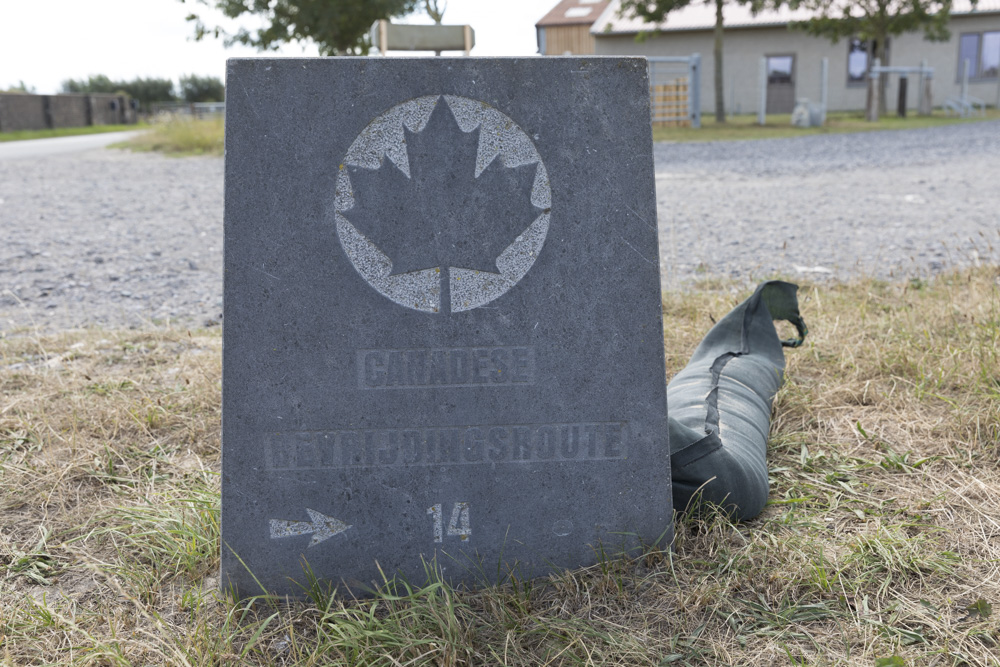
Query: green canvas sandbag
(720, 405)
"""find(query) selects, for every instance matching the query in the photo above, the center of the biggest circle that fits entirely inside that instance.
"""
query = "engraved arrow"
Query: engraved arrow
(322, 527)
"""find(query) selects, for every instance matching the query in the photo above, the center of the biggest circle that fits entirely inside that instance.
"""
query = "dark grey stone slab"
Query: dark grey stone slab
(443, 339)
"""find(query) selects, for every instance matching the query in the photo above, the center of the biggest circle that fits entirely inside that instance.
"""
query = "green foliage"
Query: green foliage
(181, 136)
(656, 11)
(145, 90)
(980, 608)
(21, 87)
(149, 90)
(338, 27)
(876, 20)
(652, 12)
(196, 88)
(94, 84)
(24, 135)
(892, 661)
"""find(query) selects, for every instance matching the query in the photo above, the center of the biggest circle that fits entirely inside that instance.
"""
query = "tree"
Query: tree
(21, 88)
(149, 90)
(145, 91)
(338, 27)
(436, 11)
(94, 84)
(655, 11)
(196, 88)
(876, 21)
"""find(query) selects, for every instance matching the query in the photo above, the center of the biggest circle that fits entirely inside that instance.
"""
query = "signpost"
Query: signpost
(388, 36)
(443, 336)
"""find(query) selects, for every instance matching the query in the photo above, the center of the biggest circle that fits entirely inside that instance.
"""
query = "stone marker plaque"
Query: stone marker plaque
(443, 339)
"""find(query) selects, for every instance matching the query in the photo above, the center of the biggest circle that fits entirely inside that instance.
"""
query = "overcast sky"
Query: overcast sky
(44, 42)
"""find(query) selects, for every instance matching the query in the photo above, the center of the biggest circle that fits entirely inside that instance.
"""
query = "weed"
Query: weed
(181, 136)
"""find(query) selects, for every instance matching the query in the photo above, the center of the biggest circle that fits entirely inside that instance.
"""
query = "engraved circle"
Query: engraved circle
(562, 528)
(500, 138)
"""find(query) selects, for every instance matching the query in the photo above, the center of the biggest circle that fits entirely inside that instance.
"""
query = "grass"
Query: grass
(22, 135)
(180, 136)
(880, 546)
(744, 127)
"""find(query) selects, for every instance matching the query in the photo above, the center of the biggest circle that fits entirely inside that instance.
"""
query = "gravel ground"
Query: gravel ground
(892, 205)
(110, 238)
(117, 239)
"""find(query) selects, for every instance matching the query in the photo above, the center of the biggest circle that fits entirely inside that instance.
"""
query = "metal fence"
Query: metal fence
(675, 90)
(195, 110)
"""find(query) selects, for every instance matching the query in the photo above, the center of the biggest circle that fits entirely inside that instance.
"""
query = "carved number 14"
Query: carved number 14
(457, 526)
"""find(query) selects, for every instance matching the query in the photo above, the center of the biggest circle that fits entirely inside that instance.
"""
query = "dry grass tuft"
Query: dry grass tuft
(882, 539)
(180, 136)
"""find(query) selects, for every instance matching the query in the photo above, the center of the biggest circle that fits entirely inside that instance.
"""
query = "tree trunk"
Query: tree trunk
(883, 79)
(720, 105)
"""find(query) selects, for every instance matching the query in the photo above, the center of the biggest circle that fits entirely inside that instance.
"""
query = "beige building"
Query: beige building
(565, 30)
(793, 58)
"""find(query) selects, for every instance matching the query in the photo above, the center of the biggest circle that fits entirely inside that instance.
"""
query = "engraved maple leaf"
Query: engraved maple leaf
(442, 214)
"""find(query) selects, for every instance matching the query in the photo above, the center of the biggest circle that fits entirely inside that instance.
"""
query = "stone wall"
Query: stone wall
(69, 110)
(39, 112)
(111, 110)
(22, 112)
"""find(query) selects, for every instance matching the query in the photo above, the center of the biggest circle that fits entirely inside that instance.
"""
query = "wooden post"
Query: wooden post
(901, 101)
(383, 36)
(468, 39)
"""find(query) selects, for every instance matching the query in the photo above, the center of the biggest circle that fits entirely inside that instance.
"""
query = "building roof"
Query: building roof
(701, 16)
(574, 12)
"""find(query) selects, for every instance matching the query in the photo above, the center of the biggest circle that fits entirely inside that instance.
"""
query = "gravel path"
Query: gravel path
(111, 238)
(909, 203)
(118, 239)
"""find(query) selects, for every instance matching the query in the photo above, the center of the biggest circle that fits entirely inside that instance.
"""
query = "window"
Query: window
(857, 60)
(779, 69)
(860, 57)
(989, 59)
(968, 49)
(982, 50)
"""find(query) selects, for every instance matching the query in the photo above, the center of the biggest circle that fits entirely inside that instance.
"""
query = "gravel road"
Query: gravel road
(118, 239)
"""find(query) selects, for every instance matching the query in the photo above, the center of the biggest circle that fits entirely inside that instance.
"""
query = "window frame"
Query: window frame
(976, 64)
(982, 46)
(868, 49)
(791, 74)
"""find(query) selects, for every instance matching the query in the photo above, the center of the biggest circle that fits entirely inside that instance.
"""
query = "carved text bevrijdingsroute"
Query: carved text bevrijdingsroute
(455, 445)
